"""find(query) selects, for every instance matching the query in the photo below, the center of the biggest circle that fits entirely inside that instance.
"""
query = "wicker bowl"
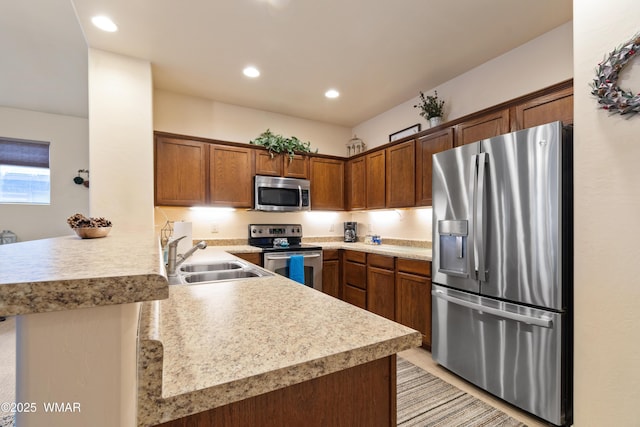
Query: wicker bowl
(92, 232)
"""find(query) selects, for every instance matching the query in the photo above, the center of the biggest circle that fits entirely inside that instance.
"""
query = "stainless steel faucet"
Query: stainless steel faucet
(174, 259)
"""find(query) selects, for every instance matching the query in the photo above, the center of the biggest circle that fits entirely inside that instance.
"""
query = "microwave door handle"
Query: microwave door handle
(300, 197)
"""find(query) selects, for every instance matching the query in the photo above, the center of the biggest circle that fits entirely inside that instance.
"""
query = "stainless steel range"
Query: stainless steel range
(281, 244)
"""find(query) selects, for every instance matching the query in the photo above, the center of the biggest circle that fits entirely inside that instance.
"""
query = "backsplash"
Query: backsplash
(411, 226)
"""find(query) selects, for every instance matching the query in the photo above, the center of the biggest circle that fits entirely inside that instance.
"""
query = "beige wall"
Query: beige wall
(607, 208)
(68, 152)
(189, 115)
(409, 224)
(539, 63)
(121, 141)
(233, 224)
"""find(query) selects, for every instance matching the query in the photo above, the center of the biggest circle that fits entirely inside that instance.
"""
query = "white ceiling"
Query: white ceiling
(377, 53)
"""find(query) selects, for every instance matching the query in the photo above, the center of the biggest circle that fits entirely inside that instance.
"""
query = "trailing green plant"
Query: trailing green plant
(277, 144)
(430, 106)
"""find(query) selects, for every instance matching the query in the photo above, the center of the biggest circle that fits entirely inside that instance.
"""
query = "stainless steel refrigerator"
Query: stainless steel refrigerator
(503, 267)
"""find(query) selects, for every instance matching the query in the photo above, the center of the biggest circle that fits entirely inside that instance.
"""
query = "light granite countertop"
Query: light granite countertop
(411, 252)
(66, 273)
(213, 344)
(402, 251)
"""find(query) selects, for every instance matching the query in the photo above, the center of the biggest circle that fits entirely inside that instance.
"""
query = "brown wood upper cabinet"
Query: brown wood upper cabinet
(356, 183)
(544, 109)
(180, 172)
(282, 165)
(189, 173)
(401, 175)
(485, 126)
(230, 176)
(426, 147)
(375, 179)
(327, 183)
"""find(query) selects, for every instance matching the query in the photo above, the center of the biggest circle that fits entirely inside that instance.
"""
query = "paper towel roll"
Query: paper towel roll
(183, 228)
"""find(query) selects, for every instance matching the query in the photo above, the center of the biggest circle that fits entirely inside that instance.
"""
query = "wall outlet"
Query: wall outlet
(332, 228)
(369, 228)
(214, 228)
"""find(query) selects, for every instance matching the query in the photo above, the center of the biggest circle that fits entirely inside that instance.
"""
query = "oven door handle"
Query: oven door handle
(299, 197)
(270, 257)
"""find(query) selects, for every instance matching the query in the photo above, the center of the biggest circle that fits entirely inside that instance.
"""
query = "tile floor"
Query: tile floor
(422, 358)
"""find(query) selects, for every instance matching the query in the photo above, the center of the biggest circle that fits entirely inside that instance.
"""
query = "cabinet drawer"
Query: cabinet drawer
(355, 296)
(381, 261)
(329, 254)
(415, 266)
(355, 275)
(355, 256)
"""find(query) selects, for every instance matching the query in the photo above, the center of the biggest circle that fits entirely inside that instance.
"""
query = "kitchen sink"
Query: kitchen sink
(215, 266)
(217, 271)
(213, 276)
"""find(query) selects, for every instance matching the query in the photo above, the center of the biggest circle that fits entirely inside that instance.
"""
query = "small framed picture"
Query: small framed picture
(405, 132)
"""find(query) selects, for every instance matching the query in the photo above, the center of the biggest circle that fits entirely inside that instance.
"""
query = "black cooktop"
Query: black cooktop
(278, 238)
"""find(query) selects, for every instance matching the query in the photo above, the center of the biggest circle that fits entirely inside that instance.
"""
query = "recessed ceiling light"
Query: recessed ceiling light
(332, 93)
(251, 72)
(104, 23)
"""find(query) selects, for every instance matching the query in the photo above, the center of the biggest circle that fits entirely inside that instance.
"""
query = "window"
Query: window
(24, 171)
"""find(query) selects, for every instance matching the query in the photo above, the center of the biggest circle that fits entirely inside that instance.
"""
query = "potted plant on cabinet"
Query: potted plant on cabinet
(431, 108)
(279, 144)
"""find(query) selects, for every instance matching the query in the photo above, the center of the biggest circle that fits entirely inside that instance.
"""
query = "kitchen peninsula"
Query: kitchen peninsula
(77, 304)
(216, 349)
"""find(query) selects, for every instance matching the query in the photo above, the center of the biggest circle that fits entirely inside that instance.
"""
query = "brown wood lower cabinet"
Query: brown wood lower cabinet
(355, 296)
(396, 288)
(354, 290)
(381, 278)
(252, 257)
(331, 272)
(413, 296)
(364, 395)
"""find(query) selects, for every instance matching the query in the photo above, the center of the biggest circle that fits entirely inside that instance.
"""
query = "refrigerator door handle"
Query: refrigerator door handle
(473, 185)
(544, 322)
(481, 221)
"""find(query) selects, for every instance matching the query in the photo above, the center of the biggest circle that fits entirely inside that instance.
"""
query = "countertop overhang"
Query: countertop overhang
(65, 273)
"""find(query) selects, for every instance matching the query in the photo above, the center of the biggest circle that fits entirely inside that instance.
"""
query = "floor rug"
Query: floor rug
(426, 400)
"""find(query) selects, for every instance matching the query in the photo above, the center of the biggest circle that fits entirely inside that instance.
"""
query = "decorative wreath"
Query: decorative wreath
(605, 87)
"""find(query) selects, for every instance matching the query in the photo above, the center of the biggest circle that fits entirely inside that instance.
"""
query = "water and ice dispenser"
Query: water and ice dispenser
(453, 247)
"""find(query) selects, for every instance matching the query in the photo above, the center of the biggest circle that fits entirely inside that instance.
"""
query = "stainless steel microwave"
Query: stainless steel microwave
(282, 194)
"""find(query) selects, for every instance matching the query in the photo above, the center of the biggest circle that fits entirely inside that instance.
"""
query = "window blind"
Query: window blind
(22, 152)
